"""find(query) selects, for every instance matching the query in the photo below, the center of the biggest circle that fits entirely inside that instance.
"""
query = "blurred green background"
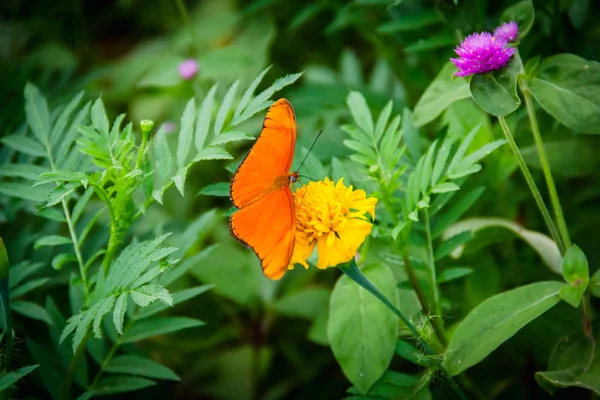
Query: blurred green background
(128, 52)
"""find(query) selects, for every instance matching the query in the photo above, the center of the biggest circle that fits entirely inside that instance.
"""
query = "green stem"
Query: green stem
(435, 323)
(558, 212)
(435, 309)
(532, 186)
(351, 270)
(105, 362)
(7, 321)
(65, 392)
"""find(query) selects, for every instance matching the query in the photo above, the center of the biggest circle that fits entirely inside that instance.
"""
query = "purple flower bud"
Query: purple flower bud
(508, 31)
(480, 53)
(188, 69)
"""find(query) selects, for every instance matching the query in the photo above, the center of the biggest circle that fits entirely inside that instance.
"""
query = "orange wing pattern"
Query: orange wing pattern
(266, 221)
(268, 227)
(270, 157)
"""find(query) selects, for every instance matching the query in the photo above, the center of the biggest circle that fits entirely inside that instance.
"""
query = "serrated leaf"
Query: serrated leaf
(360, 112)
(186, 133)
(482, 152)
(213, 153)
(60, 176)
(119, 312)
(52, 240)
(178, 297)
(144, 295)
(426, 173)
(99, 118)
(102, 308)
(8, 379)
(26, 171)
(249, 92)
(462, 149)
(230, 136)
(362, 149)
(440, 161)
(136, 365)
(36, 111)
(25, 145)
(150, 327)
(464, 170)
(382, 121)
(61, 192)
(63, 119)
(204, 118)
(117, 384)
(225, 108)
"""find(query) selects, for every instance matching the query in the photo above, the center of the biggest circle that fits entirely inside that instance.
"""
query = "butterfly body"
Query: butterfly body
(260, 188)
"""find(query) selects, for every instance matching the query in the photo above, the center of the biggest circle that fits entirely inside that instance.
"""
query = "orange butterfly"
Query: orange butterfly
(260, 188)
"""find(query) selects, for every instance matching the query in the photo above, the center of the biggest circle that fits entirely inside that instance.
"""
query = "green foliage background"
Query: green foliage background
(149, 230)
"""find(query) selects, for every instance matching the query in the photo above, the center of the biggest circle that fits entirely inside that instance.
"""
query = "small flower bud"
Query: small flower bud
(188, 69)
(147, 126)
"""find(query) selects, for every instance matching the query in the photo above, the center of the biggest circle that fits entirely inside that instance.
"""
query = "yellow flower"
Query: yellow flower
(332, 217)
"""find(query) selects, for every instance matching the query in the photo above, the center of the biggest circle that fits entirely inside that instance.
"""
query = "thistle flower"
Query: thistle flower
(480, 53)
(332, 217)
(188, 69)
(508, 31)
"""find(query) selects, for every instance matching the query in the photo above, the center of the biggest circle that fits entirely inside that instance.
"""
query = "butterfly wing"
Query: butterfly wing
(268, 227)
(270, 157)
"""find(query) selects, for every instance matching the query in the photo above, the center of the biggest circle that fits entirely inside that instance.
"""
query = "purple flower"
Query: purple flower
(508, 31)
(168, 127)
(480, 53)
(188, 69)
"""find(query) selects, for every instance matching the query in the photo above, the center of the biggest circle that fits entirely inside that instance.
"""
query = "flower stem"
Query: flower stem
(558, 212)
(65, 392)
(351, 270)
(532, 186)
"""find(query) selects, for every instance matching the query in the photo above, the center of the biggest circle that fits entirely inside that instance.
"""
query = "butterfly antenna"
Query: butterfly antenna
(310, 149)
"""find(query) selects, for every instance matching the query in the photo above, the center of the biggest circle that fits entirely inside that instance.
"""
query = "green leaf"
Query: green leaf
(482, 152)
(426, 173)
(61, 192)
(26, 171)
(99, 118)
(28, 287)
(230, 136)
(457, 209)
(496, 320)
(117, 384)
(568, 88)
(445, 187)
(382, 121)
(178, 297)
(453, 273)
(36, 111)
(542, 244)
(30, 310)
(204, 118)
(523, 14)
(25, 145)
(135, 365)
(150, 327)
(119, 312)
(212, 153)
(53, 240)
(61, 122)
(22, 270)
(308, 303)
(441, 93)
(452, 243)
(162, 164)
(572, 157)
(440, 161)
(360, 112)
(249, 92)
(225, 108)
(59, 260)
(359, 147)
(144, 295)
(186, 133)
(24, 191)
(220, 189)
(576, 272)
(575, 362)
(8, 379)
(363, 331)
(496, 91)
